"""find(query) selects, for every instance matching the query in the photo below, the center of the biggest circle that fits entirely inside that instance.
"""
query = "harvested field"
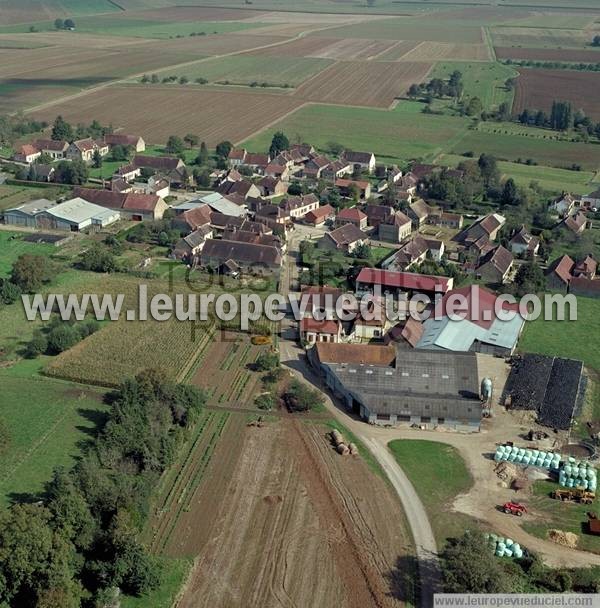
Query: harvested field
(375, 84)
(24, 11)
(538, 88)
(350, 49)
(399, 50)
(301, 47)
(410, 28)
(281, 29)
(312, 18)
(248, 69)
(443, 51)
(503, 52)
(539, 38)
(216, 115)
(224, 371)
(295, 524)
(193, 13)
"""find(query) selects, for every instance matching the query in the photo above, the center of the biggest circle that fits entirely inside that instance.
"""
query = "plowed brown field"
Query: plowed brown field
(280, 519)
(155, 112)
(375, 84)
(536, 89)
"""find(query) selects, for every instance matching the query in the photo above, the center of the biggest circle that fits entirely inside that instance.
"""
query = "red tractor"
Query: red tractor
(514, 508)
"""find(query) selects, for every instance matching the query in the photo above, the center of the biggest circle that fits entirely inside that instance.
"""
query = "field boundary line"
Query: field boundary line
(274, 122)
(489, 43)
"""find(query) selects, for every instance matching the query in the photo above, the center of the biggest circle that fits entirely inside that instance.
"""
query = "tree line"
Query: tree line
(79, 545)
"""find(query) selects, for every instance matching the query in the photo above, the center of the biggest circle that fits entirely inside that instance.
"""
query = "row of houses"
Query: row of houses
(80, 149)
(576, 277)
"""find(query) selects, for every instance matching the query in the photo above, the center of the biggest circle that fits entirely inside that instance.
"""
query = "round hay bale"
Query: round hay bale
(353, 449)
(342, 449)
(337, 437)
(560, 537)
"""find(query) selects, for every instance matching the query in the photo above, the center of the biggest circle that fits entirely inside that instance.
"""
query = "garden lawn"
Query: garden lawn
(481, 79)
(438, 474)
(12, 246)
(570, 339)
(554, 514)
(48, 421)
(397, 135)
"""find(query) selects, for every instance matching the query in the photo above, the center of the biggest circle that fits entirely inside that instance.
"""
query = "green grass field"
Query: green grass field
(570, 339)
(558, 515)
(11, 196)
(174, 573)
(114, 25)
(438, 474)
(403, 133)
(549, 178)
(245, 69)
(545, 152)
(12, 246)
(48, 421)
(481, 79)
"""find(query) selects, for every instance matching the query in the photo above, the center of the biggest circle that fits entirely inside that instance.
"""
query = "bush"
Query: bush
(300, 398)
(62, 338)
(266, 401)
(37, 346)
(9, 292)
(267, 361)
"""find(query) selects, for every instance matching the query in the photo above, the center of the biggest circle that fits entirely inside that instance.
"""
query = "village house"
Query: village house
(172, 168)
(586, 268)
(271, 187)
(352, 215)
(43, 173)
(376, 214)
(236, 157)
(244, 188)
(418, 211)
(524, 244)
(248, 258)
(365, 160)
(336, 169)
(314, 167)
(370, 280)
(273, 214)
(135, 142)
(136, 207)
(223, 223)
(592, 200)
(413, 253)
(298, 206)
(446, 220)
(576, 223)
(481, 233)
(192, 219)
(495, 266)
(346, 186)
(319, 216)
(57, 150)
(325, 330)
(191, 245)
(395, 228)
(346, 238)
(27, 153)
(559, 274)
(564, 205)
(85, 149)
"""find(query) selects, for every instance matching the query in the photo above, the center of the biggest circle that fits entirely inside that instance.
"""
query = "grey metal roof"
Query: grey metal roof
(422, 383)
(78, 210)
(34, 207)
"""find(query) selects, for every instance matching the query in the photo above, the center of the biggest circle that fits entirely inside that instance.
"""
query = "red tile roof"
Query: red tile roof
(360, 354)
(403, 280)
(321, 212)
(354, 214)
(322, 327)
(563, 268)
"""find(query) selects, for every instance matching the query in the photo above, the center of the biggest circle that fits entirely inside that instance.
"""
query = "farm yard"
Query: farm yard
(375, 84)
(538, 88)
(307, 518)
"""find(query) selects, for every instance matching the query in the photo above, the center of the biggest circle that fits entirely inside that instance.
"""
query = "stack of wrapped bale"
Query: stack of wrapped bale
(526, 457)
(577, 474)
(504, 547)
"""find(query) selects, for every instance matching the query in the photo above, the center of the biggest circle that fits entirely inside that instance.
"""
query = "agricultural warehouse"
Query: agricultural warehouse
(398, 283)
(477, 330)
(73, 215)
(551, 386)
(250, 258)
(387, 387)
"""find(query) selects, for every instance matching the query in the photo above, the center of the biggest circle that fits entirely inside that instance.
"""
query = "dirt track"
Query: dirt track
(283, 520)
